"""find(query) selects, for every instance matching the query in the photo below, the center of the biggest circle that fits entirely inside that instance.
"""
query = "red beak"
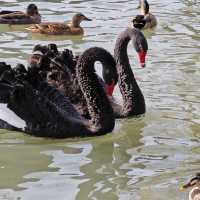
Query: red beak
(142, 56)
(110, 89)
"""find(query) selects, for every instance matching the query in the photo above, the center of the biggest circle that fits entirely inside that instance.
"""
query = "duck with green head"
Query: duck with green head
(31, 16)
(58, 28)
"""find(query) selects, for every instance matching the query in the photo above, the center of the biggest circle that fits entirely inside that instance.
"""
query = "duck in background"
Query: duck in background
(31, 16)
(57, 28)
(150, 19)
(193, 183)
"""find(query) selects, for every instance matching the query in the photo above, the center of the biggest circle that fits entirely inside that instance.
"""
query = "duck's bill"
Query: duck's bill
(142, 58)
(87, 19)
(191, 183)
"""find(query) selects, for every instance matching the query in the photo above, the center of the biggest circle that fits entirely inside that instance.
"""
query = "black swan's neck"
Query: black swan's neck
(99, 107)
(133, 100)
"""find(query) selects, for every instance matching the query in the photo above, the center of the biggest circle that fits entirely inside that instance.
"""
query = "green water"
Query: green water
(146, 158)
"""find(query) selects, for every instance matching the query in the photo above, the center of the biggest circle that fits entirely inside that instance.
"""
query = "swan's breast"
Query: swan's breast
(10, 117)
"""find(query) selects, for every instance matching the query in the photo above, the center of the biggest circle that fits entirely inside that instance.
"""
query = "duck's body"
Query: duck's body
(31, 16)
(58, 28)
(150, 19)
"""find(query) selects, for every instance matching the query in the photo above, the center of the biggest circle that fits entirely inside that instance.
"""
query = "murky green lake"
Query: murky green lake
(145, 158)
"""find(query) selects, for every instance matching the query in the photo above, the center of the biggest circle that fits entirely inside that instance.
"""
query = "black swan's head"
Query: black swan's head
(141, 46)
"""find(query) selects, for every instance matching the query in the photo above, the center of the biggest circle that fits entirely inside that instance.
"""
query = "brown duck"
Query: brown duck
(58, 28)
(31, 16)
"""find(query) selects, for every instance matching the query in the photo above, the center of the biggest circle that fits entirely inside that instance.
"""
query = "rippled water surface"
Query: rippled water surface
(144, 158)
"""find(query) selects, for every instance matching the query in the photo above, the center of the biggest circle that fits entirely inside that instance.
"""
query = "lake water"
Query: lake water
(145, 158)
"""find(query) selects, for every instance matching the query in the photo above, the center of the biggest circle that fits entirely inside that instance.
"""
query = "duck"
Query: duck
(47, 112)
(31, 16)
(150, 19)
(58, 28)
(193, 183)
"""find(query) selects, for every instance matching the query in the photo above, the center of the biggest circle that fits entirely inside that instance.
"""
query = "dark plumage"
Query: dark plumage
(48, 113)
(61, 73)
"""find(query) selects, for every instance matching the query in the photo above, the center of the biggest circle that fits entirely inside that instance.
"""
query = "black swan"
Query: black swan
(59, 68)
(134, 103)
(133, 99)
(47, 112)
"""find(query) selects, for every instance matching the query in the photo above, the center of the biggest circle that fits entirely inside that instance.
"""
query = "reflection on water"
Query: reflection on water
(145, 158)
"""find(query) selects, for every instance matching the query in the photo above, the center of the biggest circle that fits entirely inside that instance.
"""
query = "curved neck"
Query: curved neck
(133, 100)
(99, 107)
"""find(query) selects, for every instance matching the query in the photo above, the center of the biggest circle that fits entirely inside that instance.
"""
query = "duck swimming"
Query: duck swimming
(56, 28)
(148, 17)
(31, 16)
(193, 183)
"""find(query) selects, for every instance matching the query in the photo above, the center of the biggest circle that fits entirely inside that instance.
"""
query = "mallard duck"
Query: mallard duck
(195, 184)
(31, 16)
(56, 28)
(149, 18)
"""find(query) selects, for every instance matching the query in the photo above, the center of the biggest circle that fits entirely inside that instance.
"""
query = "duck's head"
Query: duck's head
(193, 182)
(78, 18)
(144, 7)
(32, 10)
